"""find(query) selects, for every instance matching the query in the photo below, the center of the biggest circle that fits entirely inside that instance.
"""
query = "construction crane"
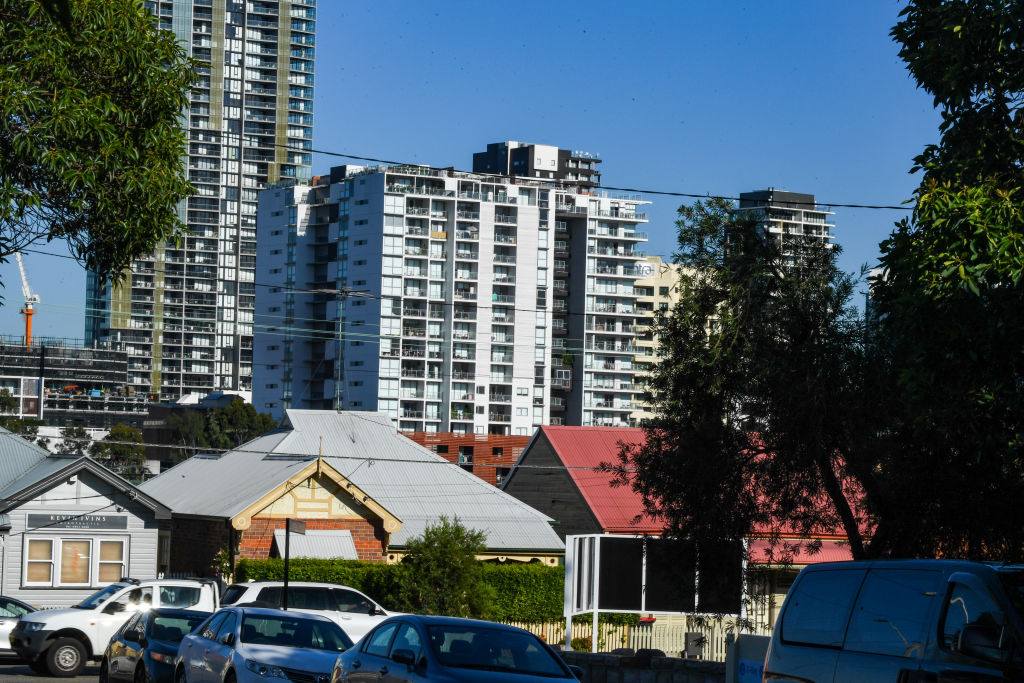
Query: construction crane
(30, 300)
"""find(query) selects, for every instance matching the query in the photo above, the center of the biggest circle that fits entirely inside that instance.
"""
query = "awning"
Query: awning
(831, 551)
(318, 544)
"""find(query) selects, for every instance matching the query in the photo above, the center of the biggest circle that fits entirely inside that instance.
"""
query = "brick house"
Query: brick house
(362, 489)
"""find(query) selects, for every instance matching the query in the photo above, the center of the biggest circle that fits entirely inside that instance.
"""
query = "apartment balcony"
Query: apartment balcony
(499, 398)
(467, 254)
(468, 215)
(616, 252)
(504, 239)
(504, 258)
(465, 294)
(467, 235)
(414, 312)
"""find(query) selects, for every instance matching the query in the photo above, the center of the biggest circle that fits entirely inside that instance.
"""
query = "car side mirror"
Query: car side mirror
(577, 671)
(228, 639)
(403, 656)
(373, 612)
(132, 636)
(113, 608)
(979, 641)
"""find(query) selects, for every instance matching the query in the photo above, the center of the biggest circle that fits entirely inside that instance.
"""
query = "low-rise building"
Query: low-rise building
(349, 473)
(69, 526)
(488, 456)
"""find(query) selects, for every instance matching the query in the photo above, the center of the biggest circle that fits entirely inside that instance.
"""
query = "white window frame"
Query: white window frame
(56, 545)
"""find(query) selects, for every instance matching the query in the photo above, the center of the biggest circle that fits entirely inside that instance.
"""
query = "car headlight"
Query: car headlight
(34, 625)
(265, 670)
(161, 657)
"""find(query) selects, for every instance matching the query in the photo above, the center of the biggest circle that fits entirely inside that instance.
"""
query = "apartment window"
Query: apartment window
(523, 391)
(361, 202)
(360, 243)
(663, 291)
(441, 449)
(56, 561)
(498, 451)
(522, 412)
(362, 222)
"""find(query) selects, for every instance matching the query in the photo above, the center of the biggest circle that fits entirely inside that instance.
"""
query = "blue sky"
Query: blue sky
(696, 97)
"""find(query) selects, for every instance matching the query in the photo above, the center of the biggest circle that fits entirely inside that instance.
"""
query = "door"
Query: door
(194, 649)
(218, 655)
(115, 651)
(355, 613)
(118, 610)
(888, 634)
(372, 663)
(10, 612)
(407, 639)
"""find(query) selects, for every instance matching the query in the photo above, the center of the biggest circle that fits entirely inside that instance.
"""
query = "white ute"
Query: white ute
(60, 641)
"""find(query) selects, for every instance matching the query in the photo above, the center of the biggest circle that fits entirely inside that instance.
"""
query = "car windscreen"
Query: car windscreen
(100, 596)
(287, 631)
(172, 629)
(1013, 584)
(487, 649)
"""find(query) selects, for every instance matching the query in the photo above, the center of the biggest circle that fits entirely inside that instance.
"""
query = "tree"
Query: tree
(91, 149)
(757, 396)
(122, 451)
(220, 428)
(445, 577)
(74, 440)
(951, 301)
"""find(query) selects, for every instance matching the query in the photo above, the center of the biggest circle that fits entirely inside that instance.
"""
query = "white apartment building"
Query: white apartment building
(789, 214)
(455, 302)
(186, 313)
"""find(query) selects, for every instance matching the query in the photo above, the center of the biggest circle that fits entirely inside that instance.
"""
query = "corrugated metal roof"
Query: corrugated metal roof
(831, 551)
(43, 468)
(318, 544)
(615, 507)
(415, 485)
(17, 456)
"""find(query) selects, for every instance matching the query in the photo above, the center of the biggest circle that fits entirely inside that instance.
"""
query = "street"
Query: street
(19, 672)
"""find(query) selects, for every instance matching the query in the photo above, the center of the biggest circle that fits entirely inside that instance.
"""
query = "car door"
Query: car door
(194, 648)
(356, 613)
(222, 646)
(407, 639)
(115, 651)
(372, 662)
(10, 612)
(887, 635)
(118, 610)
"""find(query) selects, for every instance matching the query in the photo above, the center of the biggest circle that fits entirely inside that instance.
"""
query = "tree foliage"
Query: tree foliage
(218, 428)
(74, 440)
(122, 451)
(757, 393)
(91, 146)
(445, 576)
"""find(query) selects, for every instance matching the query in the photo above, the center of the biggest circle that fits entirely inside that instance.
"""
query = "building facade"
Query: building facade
(186, 313)
(789, 215)
(453, 302)
(657, 291)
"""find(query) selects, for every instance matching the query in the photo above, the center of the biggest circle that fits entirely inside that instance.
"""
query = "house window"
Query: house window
(74, 561)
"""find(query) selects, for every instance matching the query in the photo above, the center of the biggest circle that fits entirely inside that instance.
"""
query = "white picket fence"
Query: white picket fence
(670, 638)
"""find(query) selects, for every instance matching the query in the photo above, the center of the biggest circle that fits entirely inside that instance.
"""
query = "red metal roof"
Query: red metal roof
(615, 507)
(831, 551)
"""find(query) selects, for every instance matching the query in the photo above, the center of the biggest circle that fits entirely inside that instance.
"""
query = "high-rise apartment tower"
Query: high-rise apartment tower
(186, 313)
(455, 302)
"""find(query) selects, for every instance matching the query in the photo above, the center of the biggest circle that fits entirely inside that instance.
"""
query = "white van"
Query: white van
(60, 641)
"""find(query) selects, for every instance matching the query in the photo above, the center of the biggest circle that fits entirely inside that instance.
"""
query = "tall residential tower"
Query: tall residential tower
(186, 313)
(455, 302)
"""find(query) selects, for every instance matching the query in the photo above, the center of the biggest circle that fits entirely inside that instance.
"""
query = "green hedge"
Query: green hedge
(530, 593)
(525, 592)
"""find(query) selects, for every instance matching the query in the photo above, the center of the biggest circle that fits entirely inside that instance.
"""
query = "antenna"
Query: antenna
(30, 300)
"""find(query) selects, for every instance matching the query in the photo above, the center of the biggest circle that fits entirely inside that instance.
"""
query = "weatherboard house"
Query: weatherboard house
(362, 489)
(69, 525)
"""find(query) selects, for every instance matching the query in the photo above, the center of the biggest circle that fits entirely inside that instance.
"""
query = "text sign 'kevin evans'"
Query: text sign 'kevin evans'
(99, 522)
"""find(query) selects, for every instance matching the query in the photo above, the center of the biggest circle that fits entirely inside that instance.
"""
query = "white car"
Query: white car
(347, 607)
(60, 641)
(253, 645)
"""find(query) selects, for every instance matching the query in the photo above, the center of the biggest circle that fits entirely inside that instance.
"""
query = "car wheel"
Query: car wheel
(104, 674)
(230, 678)
(66, 657)
(179, 676)
(142, 674)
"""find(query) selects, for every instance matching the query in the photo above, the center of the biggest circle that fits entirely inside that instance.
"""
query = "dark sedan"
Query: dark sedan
(414, 648)
(145, 647)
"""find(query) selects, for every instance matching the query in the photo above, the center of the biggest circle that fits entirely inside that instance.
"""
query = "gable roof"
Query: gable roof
(414, 485)
(28, 470)
(582, 450)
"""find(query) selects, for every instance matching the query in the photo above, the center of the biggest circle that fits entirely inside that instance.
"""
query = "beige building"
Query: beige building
(658, 290)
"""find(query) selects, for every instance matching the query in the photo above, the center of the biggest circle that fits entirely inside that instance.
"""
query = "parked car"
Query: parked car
(909, 620)
(420, 648)
(60, 641)
(245, 644)
(350, 609)
(145, 647)
(10, 611)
